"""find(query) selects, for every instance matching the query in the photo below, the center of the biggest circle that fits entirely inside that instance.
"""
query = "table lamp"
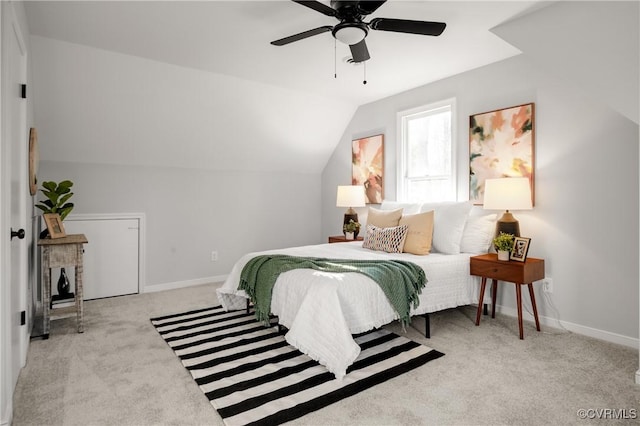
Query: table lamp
(507, 194)
(350, 196)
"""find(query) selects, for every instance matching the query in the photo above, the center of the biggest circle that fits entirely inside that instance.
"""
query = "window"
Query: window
(426, 167)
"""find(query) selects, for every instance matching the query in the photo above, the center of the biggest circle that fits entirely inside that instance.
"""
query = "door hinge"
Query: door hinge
(24, 91)
(23, 317)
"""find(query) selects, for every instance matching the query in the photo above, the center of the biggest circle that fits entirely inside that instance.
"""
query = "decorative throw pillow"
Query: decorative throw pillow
(390, 240)
(384, 219)
(419, 233)
(478, 233)
(448, 225)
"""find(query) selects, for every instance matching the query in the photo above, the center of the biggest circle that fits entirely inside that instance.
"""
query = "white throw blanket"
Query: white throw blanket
(322, 310)
(330, 342)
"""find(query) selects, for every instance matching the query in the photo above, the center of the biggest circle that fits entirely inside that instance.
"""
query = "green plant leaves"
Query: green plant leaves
(51, 186)
(57, 196)
(503, 241)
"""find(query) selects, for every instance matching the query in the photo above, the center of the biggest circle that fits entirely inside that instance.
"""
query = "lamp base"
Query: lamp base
(508, 224)
(347, 218)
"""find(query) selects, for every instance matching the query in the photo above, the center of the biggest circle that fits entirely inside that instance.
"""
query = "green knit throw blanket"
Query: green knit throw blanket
(401, 281)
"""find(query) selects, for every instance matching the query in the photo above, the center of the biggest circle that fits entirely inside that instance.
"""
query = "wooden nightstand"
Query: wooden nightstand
(518, 273)
(61, 252)
(342, 239)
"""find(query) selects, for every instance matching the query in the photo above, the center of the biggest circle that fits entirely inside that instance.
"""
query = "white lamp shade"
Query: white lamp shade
(350, 196)
(507, 194)
(350, 35)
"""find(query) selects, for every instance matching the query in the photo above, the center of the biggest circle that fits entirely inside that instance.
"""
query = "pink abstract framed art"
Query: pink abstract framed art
(367, 166)
(501, 144)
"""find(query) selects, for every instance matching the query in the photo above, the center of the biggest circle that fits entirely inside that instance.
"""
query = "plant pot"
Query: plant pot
(349, 236)
(503, 255)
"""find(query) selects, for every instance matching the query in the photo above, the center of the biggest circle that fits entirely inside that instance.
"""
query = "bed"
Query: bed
(322, 310)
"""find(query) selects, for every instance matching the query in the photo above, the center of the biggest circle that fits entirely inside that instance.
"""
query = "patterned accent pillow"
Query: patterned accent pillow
(390, 240)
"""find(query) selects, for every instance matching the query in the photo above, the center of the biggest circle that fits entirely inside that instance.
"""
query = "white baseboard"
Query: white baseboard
(183, 284)
(575, 328)
(7, 416)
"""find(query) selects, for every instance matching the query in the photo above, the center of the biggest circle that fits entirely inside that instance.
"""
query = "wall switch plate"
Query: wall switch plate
(214, 256)
(547, 285)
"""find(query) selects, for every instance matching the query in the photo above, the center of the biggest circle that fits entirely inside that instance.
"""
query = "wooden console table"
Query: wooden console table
(58, 253)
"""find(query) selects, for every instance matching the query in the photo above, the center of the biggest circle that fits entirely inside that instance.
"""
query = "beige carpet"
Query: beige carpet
(121, 372)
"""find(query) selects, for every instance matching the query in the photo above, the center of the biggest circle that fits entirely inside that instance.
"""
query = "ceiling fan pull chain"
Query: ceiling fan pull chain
(335, 53)
(365, 73)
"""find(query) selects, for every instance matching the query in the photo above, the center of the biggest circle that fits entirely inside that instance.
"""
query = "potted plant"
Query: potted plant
(58, 195)
(503, 244)
(351, 229)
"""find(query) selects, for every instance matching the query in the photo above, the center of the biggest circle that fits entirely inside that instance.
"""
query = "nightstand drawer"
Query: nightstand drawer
(517, 272)
(342, 239)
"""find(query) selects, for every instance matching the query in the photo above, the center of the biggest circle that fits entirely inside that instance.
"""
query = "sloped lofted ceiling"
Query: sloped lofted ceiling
(230, 40)
(596, 46)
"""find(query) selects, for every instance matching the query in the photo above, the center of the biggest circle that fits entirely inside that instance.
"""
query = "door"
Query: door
(111, 258)
(13, 182)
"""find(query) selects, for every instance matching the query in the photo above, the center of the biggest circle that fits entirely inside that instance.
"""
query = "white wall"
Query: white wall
(96, 106)
(585, 221)
(603, 63)
(184, 147)
(190, 213)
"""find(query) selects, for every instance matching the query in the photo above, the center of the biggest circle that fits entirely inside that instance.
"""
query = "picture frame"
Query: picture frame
(54, 225)
(520, 249)
(501, 144)
(367, 167)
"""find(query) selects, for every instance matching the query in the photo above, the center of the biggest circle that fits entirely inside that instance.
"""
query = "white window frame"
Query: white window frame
(402, 117)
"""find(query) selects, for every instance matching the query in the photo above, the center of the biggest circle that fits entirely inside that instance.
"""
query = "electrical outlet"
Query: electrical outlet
(547, 285)
(214, 256)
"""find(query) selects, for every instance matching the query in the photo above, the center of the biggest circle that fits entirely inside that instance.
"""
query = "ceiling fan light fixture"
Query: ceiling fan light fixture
(350, 33)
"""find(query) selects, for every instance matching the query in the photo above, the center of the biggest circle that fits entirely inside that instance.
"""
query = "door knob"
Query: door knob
(19, 233)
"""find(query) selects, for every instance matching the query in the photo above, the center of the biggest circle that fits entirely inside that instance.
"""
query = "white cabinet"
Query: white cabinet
(112, 256)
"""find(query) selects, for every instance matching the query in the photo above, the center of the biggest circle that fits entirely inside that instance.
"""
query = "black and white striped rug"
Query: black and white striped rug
(252, 375)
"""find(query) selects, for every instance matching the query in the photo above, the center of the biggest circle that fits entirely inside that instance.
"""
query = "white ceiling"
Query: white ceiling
(232, 38)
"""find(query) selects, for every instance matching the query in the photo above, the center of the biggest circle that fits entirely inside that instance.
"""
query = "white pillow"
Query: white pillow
(448, 224)
(478, 234)
(407, 208)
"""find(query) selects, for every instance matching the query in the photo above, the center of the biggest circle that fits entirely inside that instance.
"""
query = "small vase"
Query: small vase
(349, 236)
(503, 255)
(63, 283)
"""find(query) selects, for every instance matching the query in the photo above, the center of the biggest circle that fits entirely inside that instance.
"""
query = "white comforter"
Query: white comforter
(322, 310)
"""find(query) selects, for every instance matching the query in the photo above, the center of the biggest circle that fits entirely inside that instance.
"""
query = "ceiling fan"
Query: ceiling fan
(352, 30)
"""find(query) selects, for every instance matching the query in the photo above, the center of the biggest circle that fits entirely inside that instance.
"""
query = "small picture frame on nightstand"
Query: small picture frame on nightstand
(520, 249)
(54, 225)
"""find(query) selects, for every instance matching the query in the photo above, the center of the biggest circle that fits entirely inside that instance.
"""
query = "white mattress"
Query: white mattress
(323, 309)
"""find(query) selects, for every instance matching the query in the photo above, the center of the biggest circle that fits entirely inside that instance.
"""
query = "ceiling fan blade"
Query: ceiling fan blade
(302, 35)
(318, 7)
(367, 7)
(359, 51)
(407, 26)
